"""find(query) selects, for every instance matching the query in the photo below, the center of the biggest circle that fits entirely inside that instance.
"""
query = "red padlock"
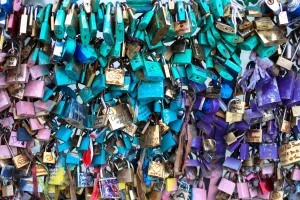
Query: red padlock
(265, 185)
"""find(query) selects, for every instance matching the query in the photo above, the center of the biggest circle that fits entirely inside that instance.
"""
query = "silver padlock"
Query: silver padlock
(273, 5)
(284, 62)
(282, 16)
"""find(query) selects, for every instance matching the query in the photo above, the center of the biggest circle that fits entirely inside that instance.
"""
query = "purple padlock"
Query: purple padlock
(199, 102)
(234, 145)
(197, 87)
(296, 94)
(244, 151)
(253, 105)
(242, 125)
(192, 163)
(205, 117)
(206, 128)
(221, 121)
(268, 151)
(196, 142)
(268, 96)
(263, 81)
(286, 84)
(271, 127)
(211, 106)
(252, 117)
(232, 164)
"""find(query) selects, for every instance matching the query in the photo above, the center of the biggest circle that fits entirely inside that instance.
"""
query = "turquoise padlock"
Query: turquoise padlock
(95, 5)
(215, 32)
(85, 53)
(250, 43)
(216, 8)
(143, 112)
(146, 18)
(137, 62)
(98, 84)
(222, 49)
(176, 125)
(119, 24)
(107, 30)
(63, 134)
(45, 27)
(73, 69)
(265, 52)
(116, 50)
(84, 27)
(148, 38)
(223, 72)
(126, 140)
(93, 25)
(236, 58)
(210, 38)
(103, 61)
(40, 16)
(61, 77)
(146, 91)
(139, 35)
(175, 72)
(183, 58)
(125, 87)
(43, 58)
(99, 159)
(208, 23)
(168, 115)
(231, 47)
(72, 158)
(167, 142)
(209, 62)
(59, 108)
(196, 74)
(104, 49)
(232, 38)
(59, 26)
(193, 20)
(228, 63)
(84, 145)
(180, 10)
(64, 146)
(177, 103)
(202, 38)
(99, 19)
(86, 94)
(48, 93)
(152, 70)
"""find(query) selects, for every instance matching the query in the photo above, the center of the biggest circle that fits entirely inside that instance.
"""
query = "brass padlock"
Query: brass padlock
(263, 23)
(115, 76)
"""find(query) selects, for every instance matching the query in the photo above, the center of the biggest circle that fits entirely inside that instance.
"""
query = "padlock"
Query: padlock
(254, 135)
(119, 25)
(19, 160)
(242, 188)
(71, 22)
(151, 136)
(45, 26)
(85, 53)
(146, 18)
(226, 185)
(115, 76)
(49, 157)
(285, 124)
(236, 109)
(162, 22)
(23, 22)
(266, 185)
(107, 29)
(59, 25)
(286, 63)
(84, 26)
(152, 70)
(182, 24)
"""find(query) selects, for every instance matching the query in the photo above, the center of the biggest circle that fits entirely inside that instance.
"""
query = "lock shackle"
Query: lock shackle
(230, 102)
(109, 6)
(113, 60)
(25, 10)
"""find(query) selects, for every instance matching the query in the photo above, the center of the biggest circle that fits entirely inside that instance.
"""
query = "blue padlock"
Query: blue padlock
(64, 146)
(72, 158)
(84, 145)
(167, 142)
(146, 91)
(85, 53)
(64, 133)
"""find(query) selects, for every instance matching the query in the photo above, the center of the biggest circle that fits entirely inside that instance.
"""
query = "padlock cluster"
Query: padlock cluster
(150, 100)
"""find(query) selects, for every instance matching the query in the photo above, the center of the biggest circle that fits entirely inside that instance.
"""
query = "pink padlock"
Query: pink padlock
(13, 141)
(296, 173)
(199, 192)
(43, 134)
(37, 71)
(165, 195)
(250, 176)
(242, 188)
(253, 191)
(6, 122)
(5, 152)
(15, 76)
(226, 185)
(35, 89)
(44, 105)
(3, 83)
(35, 124)
(25, 109)
(4, 100)
(268, 168)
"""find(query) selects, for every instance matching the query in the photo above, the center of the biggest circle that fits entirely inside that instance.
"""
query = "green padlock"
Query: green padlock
(84, 29)
(119, 24)
(107, 30)
(59, 26)
(146, 18)
(45, 27)
(216, 8)
(93, 25)
(196, 74)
